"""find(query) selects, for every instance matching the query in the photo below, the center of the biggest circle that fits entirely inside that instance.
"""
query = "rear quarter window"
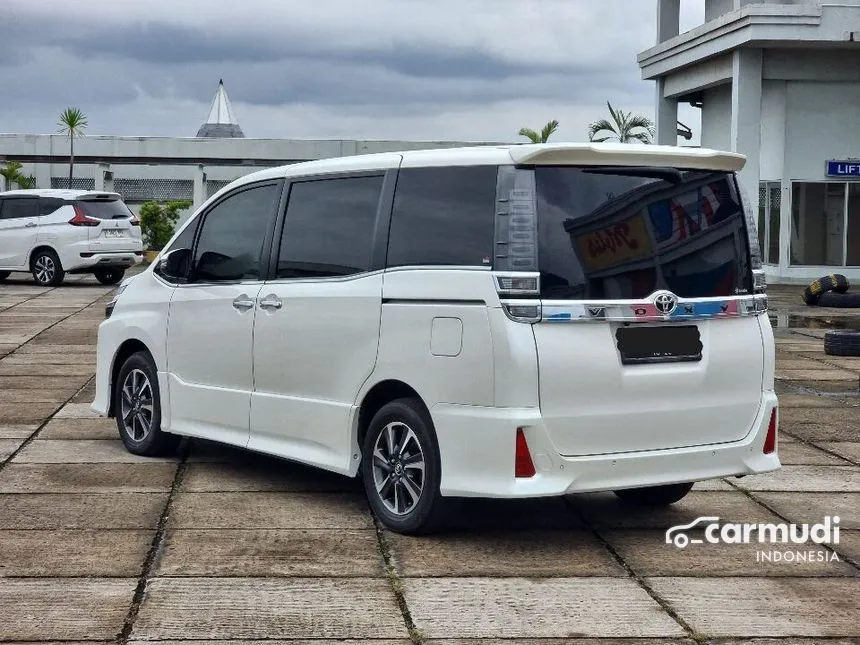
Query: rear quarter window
(443, 216)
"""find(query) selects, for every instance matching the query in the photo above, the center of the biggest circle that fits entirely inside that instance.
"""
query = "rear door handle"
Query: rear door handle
(271, 302)
(243, 303)
(30, 224)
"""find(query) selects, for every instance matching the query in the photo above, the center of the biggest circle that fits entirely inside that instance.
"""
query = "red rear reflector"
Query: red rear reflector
(770, 440)
(523, 463)
(81, 219)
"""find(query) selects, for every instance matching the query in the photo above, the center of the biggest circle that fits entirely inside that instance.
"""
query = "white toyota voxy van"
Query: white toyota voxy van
(508, 321)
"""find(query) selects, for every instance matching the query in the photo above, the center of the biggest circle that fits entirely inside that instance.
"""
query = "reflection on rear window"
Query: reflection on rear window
(604, 234)
(104, 209)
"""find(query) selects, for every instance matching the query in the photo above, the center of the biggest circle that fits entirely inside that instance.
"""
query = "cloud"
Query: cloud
(430, 69)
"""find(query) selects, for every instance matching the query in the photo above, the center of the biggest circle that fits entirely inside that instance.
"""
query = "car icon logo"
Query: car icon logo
(666, 302)
(675, 534)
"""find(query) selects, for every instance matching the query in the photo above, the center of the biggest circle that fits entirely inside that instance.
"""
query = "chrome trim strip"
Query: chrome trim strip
(646, 311)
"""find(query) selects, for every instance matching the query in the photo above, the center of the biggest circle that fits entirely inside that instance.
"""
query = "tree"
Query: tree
(72, 122)
(548, 130)
(12, 173)
(26, 182)
(624, 127)
(158, 221)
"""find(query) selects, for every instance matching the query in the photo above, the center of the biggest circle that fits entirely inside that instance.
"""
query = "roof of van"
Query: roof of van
(59, 193)
(587, 154)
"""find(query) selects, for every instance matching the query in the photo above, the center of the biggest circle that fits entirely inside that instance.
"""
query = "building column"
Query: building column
(668, 19)
(746, 118)
(199, 195)
(666, 121)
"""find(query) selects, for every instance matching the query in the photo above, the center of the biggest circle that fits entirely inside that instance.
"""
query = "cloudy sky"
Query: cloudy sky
(398, 69)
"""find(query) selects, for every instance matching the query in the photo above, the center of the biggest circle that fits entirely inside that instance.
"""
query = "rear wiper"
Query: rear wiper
(671, 175)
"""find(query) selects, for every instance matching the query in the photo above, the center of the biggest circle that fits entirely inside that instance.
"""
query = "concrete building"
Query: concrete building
(193, 168)
(780, 83)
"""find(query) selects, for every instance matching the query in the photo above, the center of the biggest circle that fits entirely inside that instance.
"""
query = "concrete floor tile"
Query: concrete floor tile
(559, 641)
(263, 474)
(84, 511)
(63, 553)
(847, 449)
(52, 358)
(812, 416)
(764, 606)
(33, 395)
(812, 479)
(87, 478)
(77, 411)
(812, 507)
(254, 608)
(802, 364)
(648, 555)
(82, 451)
(301, 641)
(8, 446)
(64, 609)
(849, 545)
(17, 431)
(475, 515)
(270, 510)
(73, 383)
(792, 453)
(807, 401)
(712, 484)
(530, 554)
(26, 413)
(8, 368)
(273, 553)
(86, 349)
(782, 641)
(520, 607)
(606, 511)
(80, 429)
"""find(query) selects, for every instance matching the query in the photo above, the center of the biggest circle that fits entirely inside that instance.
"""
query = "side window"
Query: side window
(185, 240)
(22, 207)
(443, 216)
(48, 205)
(329, 227)
(230, 245)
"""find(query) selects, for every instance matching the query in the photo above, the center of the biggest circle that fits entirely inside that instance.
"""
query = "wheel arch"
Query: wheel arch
(377, 396)
(42, 247)
(126, 349)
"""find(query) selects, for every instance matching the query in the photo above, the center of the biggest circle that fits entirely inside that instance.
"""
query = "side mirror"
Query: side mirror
(175, 264)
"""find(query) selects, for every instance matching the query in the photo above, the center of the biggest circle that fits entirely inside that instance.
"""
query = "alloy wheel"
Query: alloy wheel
(398, 468)
(45, 269)
(136, 405)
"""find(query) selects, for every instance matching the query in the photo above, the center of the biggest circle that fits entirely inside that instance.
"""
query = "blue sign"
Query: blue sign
(843, 168)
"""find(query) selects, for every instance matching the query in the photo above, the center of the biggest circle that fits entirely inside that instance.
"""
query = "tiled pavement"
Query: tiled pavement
(98, 545)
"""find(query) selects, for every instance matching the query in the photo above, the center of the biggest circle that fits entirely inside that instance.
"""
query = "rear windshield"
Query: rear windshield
(623, 233)
(104, 209)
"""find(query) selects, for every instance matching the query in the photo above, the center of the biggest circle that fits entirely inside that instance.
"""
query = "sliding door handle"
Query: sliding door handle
(243, 303)
(271, 302)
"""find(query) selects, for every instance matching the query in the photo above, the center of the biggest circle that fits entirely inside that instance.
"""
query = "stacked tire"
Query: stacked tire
(842, 343)
(828, 285)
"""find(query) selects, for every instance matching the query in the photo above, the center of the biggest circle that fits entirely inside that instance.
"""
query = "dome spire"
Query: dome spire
(221, 122)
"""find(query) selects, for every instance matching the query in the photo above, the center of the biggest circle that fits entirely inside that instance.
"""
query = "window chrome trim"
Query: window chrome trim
(644, 310)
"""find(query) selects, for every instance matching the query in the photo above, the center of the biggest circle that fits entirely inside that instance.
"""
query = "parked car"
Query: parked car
(509, 321)
(50, 233)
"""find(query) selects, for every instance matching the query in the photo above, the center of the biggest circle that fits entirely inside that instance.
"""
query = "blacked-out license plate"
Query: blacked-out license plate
(663, 344)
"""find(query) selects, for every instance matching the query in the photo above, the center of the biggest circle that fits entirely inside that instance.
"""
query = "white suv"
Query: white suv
(53, 232)
(513, 321)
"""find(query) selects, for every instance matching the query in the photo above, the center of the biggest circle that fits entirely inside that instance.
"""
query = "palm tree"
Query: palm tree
(548, 129)
(26, 182)
(12, 173)
(72, 122)
(624, 127)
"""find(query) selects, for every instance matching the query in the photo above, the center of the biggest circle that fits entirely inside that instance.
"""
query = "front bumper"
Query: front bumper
(477, 448)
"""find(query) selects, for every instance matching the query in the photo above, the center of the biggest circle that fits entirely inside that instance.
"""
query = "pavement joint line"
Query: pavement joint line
(810, 444)
(38, 295)
(633, 575)
(155, 550)
(415, 635)
(41, 426)
(751, 496)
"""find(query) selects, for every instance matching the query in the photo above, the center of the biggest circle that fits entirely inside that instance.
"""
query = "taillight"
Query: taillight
(770, 439)
(134, 221)
(82, 219)
(524, 467)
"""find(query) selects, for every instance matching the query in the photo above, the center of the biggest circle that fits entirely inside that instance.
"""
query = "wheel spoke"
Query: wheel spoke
(389, 439)
(408, 436)
(384, 487)
(381, 462)
(397, 486)
(413, 490)
(126, 396)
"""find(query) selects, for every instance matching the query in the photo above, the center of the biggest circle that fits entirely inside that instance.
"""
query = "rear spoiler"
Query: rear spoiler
(98, 196)
(619, 154)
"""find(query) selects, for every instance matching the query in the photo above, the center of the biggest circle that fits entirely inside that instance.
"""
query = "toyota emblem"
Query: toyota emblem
(666, 302)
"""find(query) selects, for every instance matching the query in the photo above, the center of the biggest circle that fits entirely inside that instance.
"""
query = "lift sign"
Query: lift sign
(843, 168)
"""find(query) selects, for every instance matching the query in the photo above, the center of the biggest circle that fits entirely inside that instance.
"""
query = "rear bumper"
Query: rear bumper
(477, 447)
(108, 260)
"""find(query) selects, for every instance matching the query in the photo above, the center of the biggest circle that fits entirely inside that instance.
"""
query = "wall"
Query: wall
(772, 153)
(717, 117)
(716, 8)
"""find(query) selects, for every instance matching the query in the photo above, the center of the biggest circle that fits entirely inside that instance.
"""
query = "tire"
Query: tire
(836, 299)
(405, 419)
(46, 268)
(136, 388)
(842, 343)
(4, 275)
(842, 283)
(833, 282)
(109, 276)
(655, 495)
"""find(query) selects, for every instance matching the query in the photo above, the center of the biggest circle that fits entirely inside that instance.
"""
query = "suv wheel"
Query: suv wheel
(401, 467)
(137, 407)
(655, 495)
(46, 268)
(4, 275)
(109, 276)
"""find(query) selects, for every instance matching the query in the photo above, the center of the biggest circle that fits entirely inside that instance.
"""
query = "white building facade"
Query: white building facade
(780, 83)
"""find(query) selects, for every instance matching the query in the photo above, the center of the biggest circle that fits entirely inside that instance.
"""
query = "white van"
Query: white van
(509, 321)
